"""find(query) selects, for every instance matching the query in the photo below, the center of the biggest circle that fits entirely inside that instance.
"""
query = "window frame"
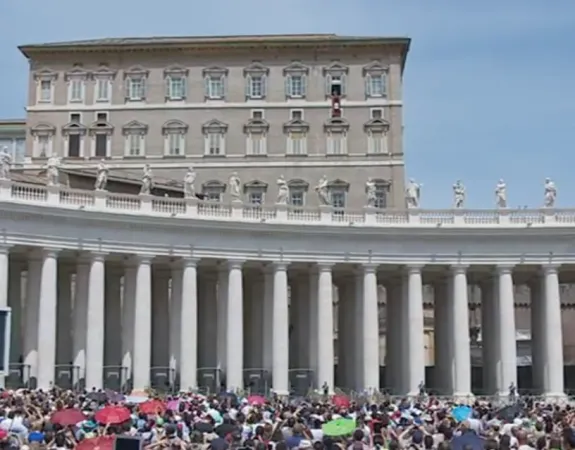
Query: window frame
(376, 70)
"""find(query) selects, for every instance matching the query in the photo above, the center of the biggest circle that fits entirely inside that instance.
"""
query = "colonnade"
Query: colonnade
(233, 315)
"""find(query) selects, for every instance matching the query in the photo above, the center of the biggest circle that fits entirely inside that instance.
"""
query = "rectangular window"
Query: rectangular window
(377, 143)
(75, 118)
(215, 88)
(297, 144)
(136, 89)
(103, 90)
(296, 87)
(380, 199)
(44, 146)
(74, 146)
(335, 85)
(256, 198)
(338, 199)
(176, 88)
(336, 144)
(257, 114)
(101, 145)
(257, 144)
(214, 144)
(134, 145)
(45, 91)
(296, 114)
(175, 145)
(76, 90)
(296, 198)
(376, 85)
(213, 196)
(376, 113)
(256, 88)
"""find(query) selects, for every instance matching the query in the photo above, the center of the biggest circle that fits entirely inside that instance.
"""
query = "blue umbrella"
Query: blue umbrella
(461, 413)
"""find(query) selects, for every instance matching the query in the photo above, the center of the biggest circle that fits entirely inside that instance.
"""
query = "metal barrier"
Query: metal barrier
(209, 379)
(163, 379)
(257, 381)
(67, 376)
(19, 377)
(301, 381)
(116, 378)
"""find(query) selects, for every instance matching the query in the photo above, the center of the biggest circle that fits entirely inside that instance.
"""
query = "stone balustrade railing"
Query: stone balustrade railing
(192, 208)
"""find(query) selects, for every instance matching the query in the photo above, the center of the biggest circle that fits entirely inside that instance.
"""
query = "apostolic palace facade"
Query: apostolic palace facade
(243, 184)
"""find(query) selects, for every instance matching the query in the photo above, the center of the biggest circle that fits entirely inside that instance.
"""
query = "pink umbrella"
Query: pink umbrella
(256, 400)
(173, 405)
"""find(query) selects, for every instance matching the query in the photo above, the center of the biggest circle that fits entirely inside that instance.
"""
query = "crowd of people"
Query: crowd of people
(104, 420)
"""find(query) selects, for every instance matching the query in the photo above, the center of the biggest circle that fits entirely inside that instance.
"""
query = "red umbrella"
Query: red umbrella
(341, 401)
(66, 417)
(256, 400)
(97, 443)
(111, 415)
(152, 407)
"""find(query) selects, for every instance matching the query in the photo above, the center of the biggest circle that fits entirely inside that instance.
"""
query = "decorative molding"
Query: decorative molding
(135, 127)
(45, 74)
(256, 126)
(336, 125)
(298, 183)
(256, 68)
(103, 72)
(214, 185)
(376, 126)
(174, 127)
(296, 126)
(374, 68)
(136, 72)
(255, 185)
(215, 71)
(74, 128)
(43, 129)
(101, 127)
(76, 73)
(296, 68)
(176, 70)
(336, 68)
(214, 126)
(338, 184)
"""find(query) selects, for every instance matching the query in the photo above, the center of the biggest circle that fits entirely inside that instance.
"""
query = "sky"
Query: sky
(489, 86)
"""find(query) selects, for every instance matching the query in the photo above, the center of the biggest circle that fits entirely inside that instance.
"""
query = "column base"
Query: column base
(463, 397)
(280, 393)
(554, 397)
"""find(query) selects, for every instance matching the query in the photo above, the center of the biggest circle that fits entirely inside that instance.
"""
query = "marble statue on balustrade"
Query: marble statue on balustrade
(370, 193)
(53, 171)
(550, 193)
(147, 181)
(189, 183)
(101, 176)
(5, 163)
(458, 194)
(501, 194)
(323, 192)
(283, 191)
(413, 194)
(235, 187)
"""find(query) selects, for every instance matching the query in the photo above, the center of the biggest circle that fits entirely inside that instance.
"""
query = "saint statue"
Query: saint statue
(53, 171)
(101, 176)
(322, 191)
(501, 194)
(550, 193)
(458, 194)
(283, 191)
(189, 180)
(5, 163)
(370, 192)
(147, 175)
(413, 194)
(235, 186)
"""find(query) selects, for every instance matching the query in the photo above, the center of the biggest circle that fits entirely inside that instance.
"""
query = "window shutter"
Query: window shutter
(184, 87)
(248, 86)
(225, 85)
(384, 84)
(168, 93)
(367, 85)
(328, 85)
(288, 86)
(207, 87)
(304, 85)
(127, 88)
(343, 85)
(264, 86)
(144, 85)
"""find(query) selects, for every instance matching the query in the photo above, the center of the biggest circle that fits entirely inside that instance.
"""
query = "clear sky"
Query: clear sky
(489, 86)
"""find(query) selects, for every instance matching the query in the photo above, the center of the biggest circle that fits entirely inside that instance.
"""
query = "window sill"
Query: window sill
(174, 156)
(134, 156)
(214, 156)
(337, 155)
(296, 155)
(378, 155)
(249, 155)
(136, 101)
(175, 100)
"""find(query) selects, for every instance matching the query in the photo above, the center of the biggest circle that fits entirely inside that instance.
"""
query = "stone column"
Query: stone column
(32, 312)
(280, 371)
(325, 327)
(222, 312)
(47, 319)
(414, 369)
(15, 301)
(506, 342)
(370, 335)
(358, 344)
(313, 323)
(95, 330)
(235, 332)
(443, 374)
(113, 317)
(268, 311)
(175, 318)
(160, 318)
(537, 297)
(459, 306)
(4, 270)
(64, 313)
(80, 314)
(189, 326)
(143, 325)
(552, 342)
(128, 317)
(488, 335)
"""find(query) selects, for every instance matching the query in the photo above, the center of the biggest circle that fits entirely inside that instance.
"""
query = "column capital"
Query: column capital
(98, 256)
(458, 268)
(280, 266)
(50, 252)
(234, 263)
(550, 268)
(5, 249)
(140, 259)
(413, 268)
(369, 267)
(189, 261)
(324, 266)
(502, 269)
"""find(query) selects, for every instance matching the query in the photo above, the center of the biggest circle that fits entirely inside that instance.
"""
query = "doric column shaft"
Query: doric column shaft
(280, 370)
(15, 301)
(142, 324)
(506, 342)
(222, 313)
(268, 313)
(370, 329)
(95, 329)
(325, 371)
(414, 370)
(80, 316)
(460, 332)
(189, 326)
(175, 318)
(235, 327)
(32, 312)
(128, 317)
